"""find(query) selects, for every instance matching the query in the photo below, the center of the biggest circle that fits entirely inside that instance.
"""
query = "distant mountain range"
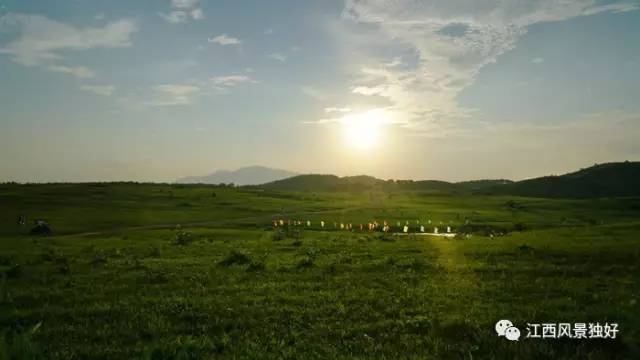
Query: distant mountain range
(316, 182)
(250, 175)
(604, 180)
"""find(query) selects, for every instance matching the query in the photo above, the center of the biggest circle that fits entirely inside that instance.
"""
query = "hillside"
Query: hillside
(604, 180)
(316, 182)
(251, 175)
(319, 182)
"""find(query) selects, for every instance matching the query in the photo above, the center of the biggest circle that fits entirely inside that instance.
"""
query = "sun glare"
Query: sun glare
(362, 131)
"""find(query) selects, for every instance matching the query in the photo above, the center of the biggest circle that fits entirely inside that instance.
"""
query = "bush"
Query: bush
(14, 271)
(309, 259)
(183, 238)
(519, 227)
(386, 237)
(99, 259)
(278, 235)
(235, 258)
(42, 229)
(256, 265)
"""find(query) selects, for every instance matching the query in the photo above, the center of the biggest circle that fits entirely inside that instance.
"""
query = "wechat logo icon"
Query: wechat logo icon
(505, 328)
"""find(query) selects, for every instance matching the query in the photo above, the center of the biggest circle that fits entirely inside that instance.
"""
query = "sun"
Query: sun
(362, 131)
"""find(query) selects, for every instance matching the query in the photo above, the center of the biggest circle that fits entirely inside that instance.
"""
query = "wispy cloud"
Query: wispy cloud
(182, 11)
(345, 116)
(173, 94)
(331, 110)
(77, 71)
(224, 39)
(42, 40)
(232, 80)
(222, 84)
(451, 44)
(537, 60)
(105, 90)
(277, 56)
(313, 92)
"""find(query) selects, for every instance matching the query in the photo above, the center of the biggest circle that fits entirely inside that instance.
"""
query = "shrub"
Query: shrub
(182, 238)
(235, 258)
(156, 276)
(256, 265)
(278, 235)
(42, 229)
(99, 259)
(154, 252)
(309, 259)
(519, 227)
(386, 238)
(63, 265)
(14, 271)
(259, 264)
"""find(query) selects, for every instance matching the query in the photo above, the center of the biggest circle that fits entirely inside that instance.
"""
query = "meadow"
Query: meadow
(157, 271)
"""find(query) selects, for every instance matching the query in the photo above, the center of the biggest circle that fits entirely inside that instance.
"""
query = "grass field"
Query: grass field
(119, 280)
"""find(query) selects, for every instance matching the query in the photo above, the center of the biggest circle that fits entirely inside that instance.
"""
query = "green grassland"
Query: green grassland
(119, 280)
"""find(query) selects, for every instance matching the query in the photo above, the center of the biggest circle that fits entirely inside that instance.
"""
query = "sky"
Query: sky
(155, 90)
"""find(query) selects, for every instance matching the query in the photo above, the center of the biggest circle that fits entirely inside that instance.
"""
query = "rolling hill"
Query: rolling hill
(317, 182)
(604, 180)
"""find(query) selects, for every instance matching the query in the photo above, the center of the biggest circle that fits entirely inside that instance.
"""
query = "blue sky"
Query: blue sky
(452, 90)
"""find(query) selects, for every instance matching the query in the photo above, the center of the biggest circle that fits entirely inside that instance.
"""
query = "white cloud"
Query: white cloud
(77, 71)
(451, 40)
(182, 11)
(537, 60)
(278, 57)
(378, 115)
(41, 40)
(105, 90)
(331, 110)
(313, 93)
(369, 90)
(232, 80)
(224, 39)
(174, 94)
(175, 17)
(184, 4)
(197, 14)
